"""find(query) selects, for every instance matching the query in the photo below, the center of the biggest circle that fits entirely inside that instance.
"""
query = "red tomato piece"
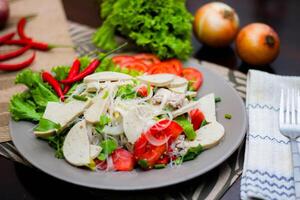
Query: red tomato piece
(152, 155)
(161, 68)
(176, 64)
(142, 91)
(122, 59)
(147, 58)
(173, 130)
(149, 153)
(194, 76)
(134, 65)
(123, 160)
(172, 66)
(165, 159)
(196, 118)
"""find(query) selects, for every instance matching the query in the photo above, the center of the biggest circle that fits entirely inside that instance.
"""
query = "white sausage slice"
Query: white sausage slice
(159, 80)
(76, 147)
(106, 76)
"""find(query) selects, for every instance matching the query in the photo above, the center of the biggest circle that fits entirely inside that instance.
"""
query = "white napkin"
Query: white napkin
(267, 170)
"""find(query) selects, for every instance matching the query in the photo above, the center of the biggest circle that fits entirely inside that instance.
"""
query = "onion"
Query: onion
(216, 24)
(257, 44)
(4, 13)
(154, 141)
(110, 164)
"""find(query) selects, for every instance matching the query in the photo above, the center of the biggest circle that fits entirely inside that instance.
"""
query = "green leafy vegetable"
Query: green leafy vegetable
(80, 98)
(159, 166)
(108, 146)
(126, 92)
(56, 141)
(162, 27)
(84, 62)
(61, 72)
(30, 104)
(46, 125)
(41, 92)
(104, 120)
(203, 123)
(187, 127)
(192, 153)
(22, 108)
(143, 163)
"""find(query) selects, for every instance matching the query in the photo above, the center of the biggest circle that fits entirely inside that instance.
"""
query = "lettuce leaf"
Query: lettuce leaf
(161, 27)
(22, 108)
(46, 125)
(193, 152)
(61, 72)
(31, 104)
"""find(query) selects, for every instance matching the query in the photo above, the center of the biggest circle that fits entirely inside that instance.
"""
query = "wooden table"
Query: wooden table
(20, 182)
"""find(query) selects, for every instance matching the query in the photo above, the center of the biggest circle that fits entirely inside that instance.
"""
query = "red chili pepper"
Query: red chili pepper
(6, 37)
(47, 77)
(14, 53)
(17, 66)
(20, 28)
(75, 69)
(87, 71)
(35, 45)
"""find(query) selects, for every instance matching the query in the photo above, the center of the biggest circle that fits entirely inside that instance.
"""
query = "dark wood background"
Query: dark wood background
(20, 182)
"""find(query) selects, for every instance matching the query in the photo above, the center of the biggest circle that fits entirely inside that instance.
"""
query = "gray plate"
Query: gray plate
(39, 154)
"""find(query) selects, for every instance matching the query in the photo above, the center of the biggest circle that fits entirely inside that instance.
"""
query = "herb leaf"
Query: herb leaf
(46, 125)
(192, 153)
(187, 127)
(108, 146)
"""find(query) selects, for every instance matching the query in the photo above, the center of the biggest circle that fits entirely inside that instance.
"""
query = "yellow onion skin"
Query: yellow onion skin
(216, 24)
(257, 44)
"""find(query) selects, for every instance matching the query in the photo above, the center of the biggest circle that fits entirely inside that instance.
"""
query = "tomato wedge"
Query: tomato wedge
(123, 160)
(122, 59)
(196, 118)
(148, 154)
(172, 66)
(194, 76)
(142, 91)
(176, 64)
(147, 58)
(134, 65)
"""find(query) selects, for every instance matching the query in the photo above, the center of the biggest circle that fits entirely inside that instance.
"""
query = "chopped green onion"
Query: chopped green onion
(148, 88)
(203, 123)
(105, 95)
(228, 116)
(217, 99)
(159, 166)
(80, 98)
(143, 163)
(179, 160)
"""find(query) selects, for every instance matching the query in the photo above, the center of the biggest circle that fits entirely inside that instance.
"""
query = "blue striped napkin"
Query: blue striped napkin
(267, 172)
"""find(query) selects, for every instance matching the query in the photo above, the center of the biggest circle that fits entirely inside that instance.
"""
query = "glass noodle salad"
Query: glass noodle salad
(139, 116)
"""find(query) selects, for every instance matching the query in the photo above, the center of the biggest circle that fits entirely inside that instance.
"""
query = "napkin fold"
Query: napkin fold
(267, 172)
